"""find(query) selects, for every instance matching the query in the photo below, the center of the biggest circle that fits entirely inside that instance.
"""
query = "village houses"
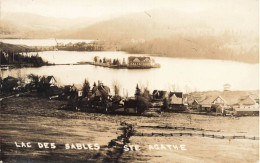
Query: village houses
(238, 104)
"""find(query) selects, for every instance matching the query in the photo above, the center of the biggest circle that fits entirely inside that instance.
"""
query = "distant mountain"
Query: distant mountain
(140, 25)
(144, 25)
(25, 25)
(165, 22)
(172, 33)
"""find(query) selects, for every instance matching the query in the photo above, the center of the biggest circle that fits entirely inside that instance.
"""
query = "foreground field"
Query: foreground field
(36, 120)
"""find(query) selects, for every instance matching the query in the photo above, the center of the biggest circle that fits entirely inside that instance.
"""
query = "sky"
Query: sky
(100, 8)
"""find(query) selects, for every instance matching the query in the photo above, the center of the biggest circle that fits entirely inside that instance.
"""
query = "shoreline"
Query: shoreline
(52, 48)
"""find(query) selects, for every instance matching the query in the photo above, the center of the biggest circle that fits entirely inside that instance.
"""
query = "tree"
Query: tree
(142, 104)
(165, 106)
(146, 94)
(137, 91)
(34, 80)
(117, 62)
(95, 59)
(104, 60)
(114, 62)
(116, 87)
(86, 88)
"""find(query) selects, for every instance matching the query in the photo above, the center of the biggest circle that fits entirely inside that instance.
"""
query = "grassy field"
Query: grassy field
(37, 120)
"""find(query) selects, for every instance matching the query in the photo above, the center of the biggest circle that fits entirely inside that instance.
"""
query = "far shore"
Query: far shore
(25, 48)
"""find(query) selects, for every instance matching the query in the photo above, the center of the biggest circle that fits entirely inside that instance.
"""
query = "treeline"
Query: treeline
(18, 59)
(10, 54)
(224, 47)
(82, 46)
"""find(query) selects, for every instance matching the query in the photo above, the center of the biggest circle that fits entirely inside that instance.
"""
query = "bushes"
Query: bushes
(142, 104)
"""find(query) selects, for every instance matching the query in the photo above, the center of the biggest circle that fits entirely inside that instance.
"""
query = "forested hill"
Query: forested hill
(222, 47)
(173, 33)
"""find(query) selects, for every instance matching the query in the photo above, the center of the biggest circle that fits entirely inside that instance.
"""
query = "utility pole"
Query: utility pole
(1, 15)
(13, 57)
(0, 56)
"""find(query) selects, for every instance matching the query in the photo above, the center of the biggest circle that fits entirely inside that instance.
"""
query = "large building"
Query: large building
(141, 62)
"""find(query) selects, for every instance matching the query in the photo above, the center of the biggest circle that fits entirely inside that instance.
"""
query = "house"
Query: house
(69, 88)
(49, 80)
(219, 101)
(204, 103)
(70, 91)
(220, 109)
(176, 101)
(158, 98)
(139, 61)
(246, 106)
(176, 98)
(100, 91)
(220, 105)
(248, 103)
(195, 105)
(159, 95)
(47, 86)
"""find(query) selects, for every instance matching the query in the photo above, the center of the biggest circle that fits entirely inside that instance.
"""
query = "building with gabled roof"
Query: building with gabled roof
(48, 80)
(100, 91)
(246, 106)
(225, 100)
(139, 61)
(176, 101)
(219, 101)
(195, 105)
(247, 103)
(206, 103)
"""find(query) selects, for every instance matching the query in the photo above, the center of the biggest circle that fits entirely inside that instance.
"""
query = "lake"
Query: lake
(175, 74)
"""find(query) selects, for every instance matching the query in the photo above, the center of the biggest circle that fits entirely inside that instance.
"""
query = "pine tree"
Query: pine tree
(114, 62)
(137, 91)
(86, 88)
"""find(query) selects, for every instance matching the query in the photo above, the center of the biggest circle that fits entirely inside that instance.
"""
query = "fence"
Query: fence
(180, 128)
(156, 134)
(195, 134)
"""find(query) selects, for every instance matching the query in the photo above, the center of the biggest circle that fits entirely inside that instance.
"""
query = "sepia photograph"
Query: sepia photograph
(158, 81)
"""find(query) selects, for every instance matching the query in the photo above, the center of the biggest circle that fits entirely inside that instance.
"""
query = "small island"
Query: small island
(134, 62)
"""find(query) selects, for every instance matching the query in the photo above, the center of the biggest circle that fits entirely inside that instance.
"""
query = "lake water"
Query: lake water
(174, 74)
